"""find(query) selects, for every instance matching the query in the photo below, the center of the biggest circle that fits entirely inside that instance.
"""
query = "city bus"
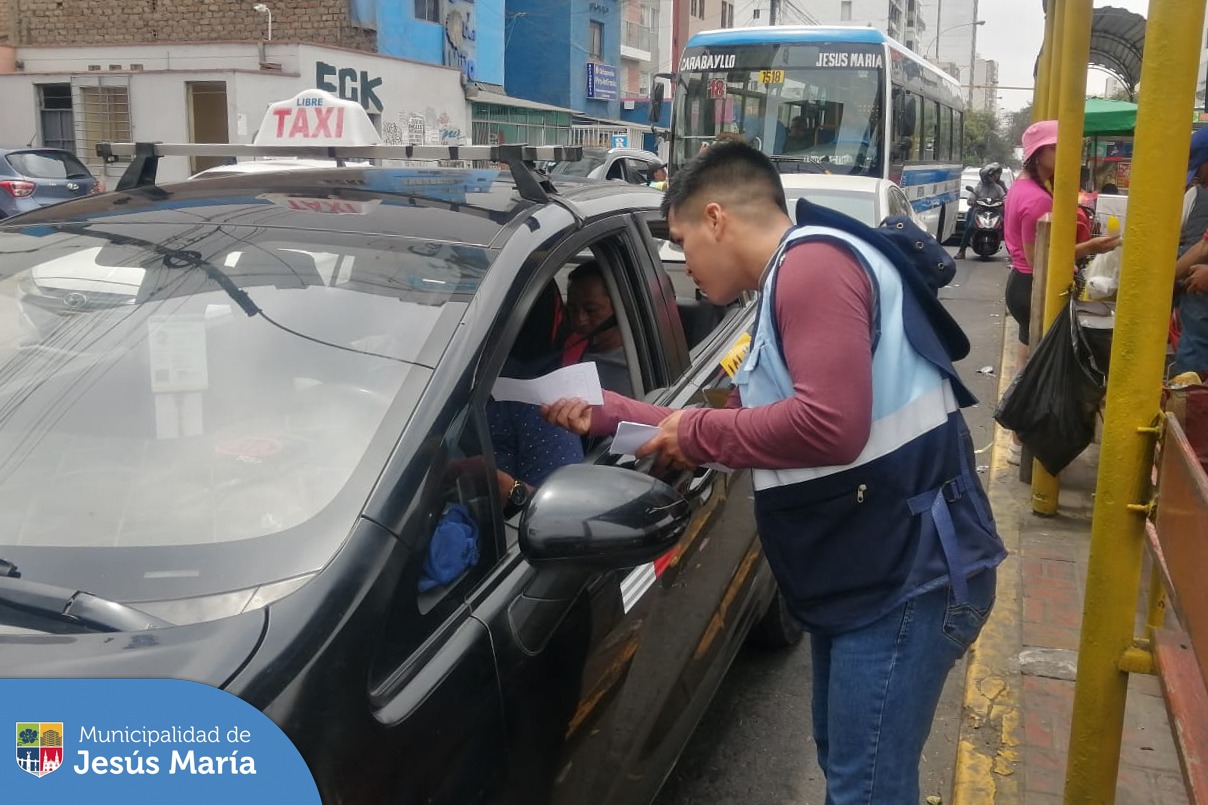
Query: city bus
(840, 100)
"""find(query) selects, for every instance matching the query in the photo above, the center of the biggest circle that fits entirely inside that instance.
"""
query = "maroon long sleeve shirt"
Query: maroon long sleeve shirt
(823, 305)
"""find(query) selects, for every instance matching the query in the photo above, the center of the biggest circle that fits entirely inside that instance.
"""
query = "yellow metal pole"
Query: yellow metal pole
(1172, 49)
(1073, 56)
(1044, 67)
(1053, 93)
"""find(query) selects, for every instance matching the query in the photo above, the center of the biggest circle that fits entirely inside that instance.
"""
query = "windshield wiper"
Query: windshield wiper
(74, 606)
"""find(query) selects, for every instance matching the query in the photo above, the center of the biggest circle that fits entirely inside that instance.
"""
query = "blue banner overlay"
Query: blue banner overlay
(144, 740)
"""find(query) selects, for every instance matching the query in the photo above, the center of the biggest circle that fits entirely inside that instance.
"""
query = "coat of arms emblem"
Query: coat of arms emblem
(39, 746)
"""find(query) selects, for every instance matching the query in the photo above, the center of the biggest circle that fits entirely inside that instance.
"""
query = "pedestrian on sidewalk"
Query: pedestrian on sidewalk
(867, 498)
(1191, 269)
(1030, 199)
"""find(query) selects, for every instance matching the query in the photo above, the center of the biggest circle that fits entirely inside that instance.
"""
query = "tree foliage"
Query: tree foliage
(984, 142)
(1016, 123)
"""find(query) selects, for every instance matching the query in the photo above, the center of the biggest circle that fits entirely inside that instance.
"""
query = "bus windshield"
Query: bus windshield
(819, 107)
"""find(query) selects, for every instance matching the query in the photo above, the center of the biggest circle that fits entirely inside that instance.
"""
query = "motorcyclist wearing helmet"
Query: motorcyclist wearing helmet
(989, 186)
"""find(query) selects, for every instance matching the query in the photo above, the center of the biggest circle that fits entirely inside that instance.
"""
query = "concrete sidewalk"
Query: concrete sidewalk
(1019, 693)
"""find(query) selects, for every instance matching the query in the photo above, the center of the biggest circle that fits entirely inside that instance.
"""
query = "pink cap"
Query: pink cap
(1037, 136)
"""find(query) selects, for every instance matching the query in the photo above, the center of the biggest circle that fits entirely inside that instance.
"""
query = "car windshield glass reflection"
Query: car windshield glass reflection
(581, 167)
(183, 385)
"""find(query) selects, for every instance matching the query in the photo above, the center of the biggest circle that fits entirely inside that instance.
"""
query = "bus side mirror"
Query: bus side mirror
(656, 103)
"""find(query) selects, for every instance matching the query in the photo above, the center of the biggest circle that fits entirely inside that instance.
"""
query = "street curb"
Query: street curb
(987, 753)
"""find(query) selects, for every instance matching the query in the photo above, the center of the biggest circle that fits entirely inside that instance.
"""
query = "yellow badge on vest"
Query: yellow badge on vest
(733, 359)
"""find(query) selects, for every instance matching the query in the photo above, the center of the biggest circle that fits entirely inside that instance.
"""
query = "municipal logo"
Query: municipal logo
(39, 746)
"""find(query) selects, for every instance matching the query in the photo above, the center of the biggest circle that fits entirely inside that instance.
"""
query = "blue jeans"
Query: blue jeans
(967, 232)
(876, 689)
(1192, 354)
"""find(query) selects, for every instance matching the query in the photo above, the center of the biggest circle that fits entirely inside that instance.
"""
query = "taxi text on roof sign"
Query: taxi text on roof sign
(315, 117)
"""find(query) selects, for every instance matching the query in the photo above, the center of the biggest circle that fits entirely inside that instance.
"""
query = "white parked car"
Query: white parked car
(865, 198)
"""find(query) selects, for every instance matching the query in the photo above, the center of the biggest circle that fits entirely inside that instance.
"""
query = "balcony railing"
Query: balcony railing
(637, 36)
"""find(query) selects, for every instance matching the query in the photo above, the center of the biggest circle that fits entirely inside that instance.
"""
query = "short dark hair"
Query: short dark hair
(586, 270)
(731, 168)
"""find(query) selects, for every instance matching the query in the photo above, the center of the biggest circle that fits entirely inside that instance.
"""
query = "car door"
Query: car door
(403, 706)
(600, 702)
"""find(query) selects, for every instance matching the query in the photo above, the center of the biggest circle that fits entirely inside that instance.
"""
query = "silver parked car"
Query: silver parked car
(632, 165)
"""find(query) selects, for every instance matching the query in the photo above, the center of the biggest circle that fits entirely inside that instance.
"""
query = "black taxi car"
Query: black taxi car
(236, 410)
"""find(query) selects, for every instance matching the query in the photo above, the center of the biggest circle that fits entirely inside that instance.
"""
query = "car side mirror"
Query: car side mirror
(656, 103)
(599, 516)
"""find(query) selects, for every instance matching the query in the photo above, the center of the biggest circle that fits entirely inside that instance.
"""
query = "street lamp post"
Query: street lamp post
(263, 9)
(936, 40)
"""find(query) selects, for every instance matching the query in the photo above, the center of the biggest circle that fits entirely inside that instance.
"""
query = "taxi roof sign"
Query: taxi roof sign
(317, 125)
(316, 118)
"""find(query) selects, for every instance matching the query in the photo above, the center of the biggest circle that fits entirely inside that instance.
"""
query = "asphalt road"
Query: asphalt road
(754, 743)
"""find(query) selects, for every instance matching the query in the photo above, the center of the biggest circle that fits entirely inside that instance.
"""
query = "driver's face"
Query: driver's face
(588, 304)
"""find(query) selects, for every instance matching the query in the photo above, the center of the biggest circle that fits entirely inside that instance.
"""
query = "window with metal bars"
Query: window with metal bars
(103, 116)
(55, 113)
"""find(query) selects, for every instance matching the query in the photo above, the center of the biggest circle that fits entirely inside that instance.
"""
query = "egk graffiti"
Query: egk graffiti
(349, 84)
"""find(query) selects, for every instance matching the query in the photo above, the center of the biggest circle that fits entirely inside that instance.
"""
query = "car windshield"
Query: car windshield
(581, 167)
(48, 165)
(861, 206)
(201, 407)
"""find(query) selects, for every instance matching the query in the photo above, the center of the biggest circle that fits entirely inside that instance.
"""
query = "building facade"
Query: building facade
(467, 34)
(953, 38)
(214, 92)
(903, 20)
(98, 22)
(640, 47)
(566, 54)
(985, 86)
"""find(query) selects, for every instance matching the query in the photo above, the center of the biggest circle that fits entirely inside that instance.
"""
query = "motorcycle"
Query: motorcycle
(986, 217)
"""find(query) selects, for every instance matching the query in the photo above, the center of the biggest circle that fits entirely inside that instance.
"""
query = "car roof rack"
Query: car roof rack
(531, 182)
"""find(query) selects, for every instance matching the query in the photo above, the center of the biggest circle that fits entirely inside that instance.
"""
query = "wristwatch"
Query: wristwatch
(518, 498)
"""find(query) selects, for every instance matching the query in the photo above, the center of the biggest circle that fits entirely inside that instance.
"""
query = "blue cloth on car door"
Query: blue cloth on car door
(452, 550)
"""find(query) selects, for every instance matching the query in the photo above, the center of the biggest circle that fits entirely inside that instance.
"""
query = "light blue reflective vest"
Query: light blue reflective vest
(849, 543)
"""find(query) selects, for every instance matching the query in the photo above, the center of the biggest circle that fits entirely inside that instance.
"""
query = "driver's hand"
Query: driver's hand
(665, 446)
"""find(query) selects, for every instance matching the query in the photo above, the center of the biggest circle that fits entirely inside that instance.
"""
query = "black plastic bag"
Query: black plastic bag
(1053, 402)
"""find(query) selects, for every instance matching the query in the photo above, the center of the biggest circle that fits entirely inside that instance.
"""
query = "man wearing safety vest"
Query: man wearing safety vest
(867, 498)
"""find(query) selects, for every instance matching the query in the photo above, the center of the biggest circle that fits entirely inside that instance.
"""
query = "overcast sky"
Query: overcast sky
(1012, 36)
